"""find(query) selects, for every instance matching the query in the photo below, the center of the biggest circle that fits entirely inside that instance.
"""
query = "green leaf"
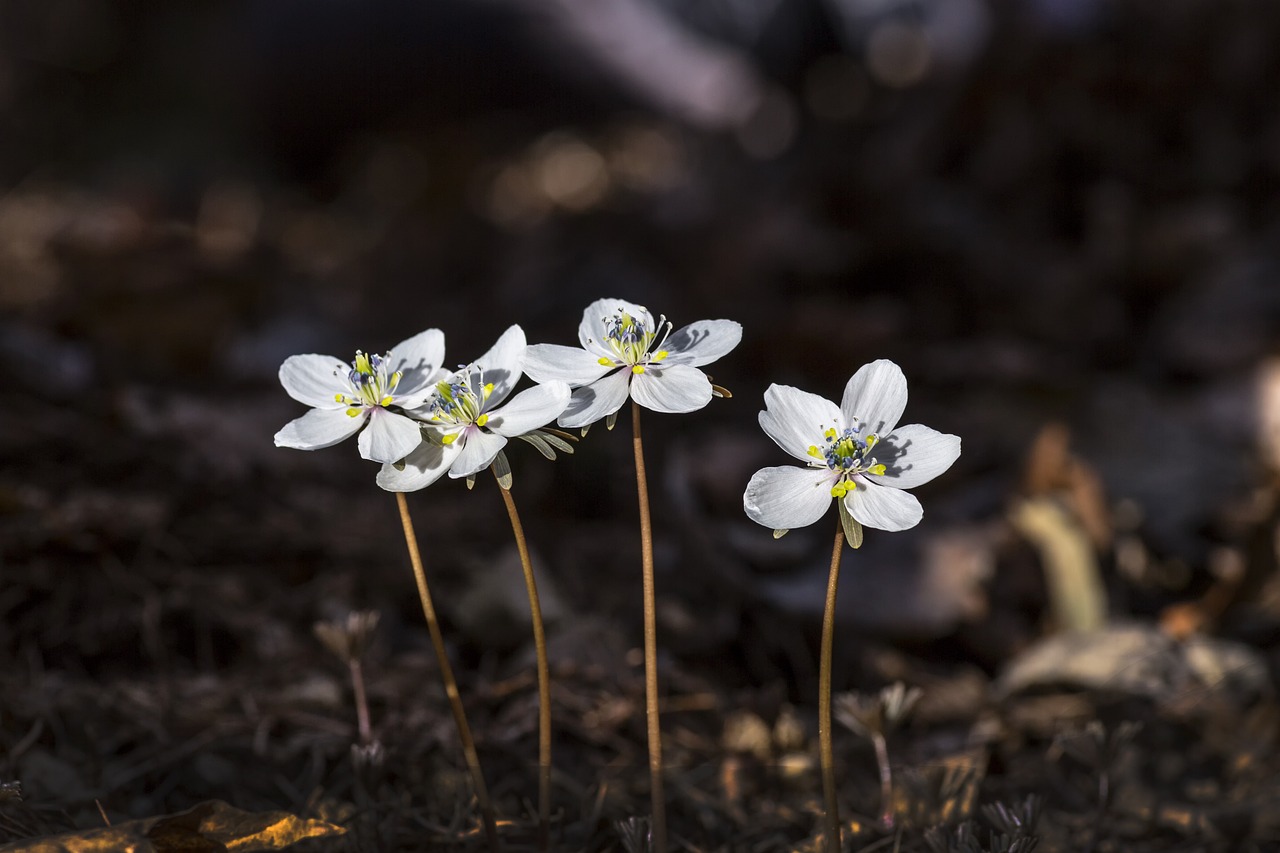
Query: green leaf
(539, 443)
(852, 528)
(556, 441)
(502, 470)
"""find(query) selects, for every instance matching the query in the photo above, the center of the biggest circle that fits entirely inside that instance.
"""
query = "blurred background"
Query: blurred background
(1059, 216)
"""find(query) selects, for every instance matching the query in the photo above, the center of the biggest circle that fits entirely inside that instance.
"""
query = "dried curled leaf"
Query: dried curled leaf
(211, 826)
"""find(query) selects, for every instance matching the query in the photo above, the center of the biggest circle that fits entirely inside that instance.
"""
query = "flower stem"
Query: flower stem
(362, 701)
(659, 826)
(826, 753)
(886, 780)
(544, 674)
(450, 685)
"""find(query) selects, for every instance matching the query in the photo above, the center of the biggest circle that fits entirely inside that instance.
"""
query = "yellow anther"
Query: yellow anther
(871, 440)
(386, 401)
(353, 411)
(604, 362)
(815, 452)
(448, 438)
(488, 389)
(838, 490)
(878, 470)
(339, 398)
(830, 434)
(659, 355)
(638, 368)
(484, 419)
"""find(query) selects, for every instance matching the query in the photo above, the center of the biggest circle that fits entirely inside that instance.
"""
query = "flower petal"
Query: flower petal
(702, 342)
(796, 419)
(503, 364)
(674, 389)
(478, 449)
(876, 395)
(531, 408)
(311, 379)
(594, 325)
(787, 497)
(590, 403)
(421, 468)
(553, 362)
(389, 437)
(914, 454)
(883, 507)
(319, 428)
(419, 358)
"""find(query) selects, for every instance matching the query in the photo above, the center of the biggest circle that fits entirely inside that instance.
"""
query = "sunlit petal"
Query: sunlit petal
(787, 497)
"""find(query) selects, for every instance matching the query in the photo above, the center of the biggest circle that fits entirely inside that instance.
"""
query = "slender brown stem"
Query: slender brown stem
(886, 780)
(659, 825)
(544, 675)
(450, 685)
(362, 701)
(826, 753)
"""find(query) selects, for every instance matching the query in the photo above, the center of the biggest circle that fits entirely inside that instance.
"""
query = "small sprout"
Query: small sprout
(1097, 750)
(348, 638)
(879, 714)
(1018, 821)
(874, 717)
(965, 839)
(636, 834)
(1093, 746)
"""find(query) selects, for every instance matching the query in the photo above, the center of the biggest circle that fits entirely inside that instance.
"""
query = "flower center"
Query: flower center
(846, 453)
(371, 385)
(633, 343)
(459, 401)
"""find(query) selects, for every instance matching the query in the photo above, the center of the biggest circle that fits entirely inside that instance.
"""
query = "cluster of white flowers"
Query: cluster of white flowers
(420, 420)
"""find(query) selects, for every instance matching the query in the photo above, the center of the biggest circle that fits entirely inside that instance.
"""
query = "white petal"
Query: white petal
(503, 363)
(876, 395)
(553, 362)
(419, 358)
(421, 468)
(389, 437)
(674, 389)
(702, 342)
(531, 408)
(590, 403)
(592, 329)
(796, 419)
(787, 497)
(311, 379)
(319, 428)
(478, 449)
(913, 455)
(883, 508)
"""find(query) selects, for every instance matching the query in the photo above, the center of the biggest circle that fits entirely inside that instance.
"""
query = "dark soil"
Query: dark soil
(1065, 229)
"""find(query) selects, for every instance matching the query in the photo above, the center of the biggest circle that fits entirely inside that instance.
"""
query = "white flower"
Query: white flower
(625, 352)
(465, 423)
(372, 390)
(854, 452)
